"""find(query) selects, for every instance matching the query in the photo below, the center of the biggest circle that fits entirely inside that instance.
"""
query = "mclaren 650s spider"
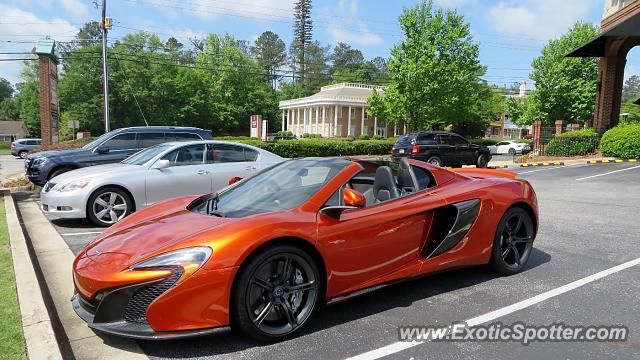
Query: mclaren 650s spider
(266, 252)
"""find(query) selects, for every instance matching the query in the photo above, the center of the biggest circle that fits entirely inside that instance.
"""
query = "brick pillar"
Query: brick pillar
(536, 129)
(45, 64)
(559, 127)
(608, 98)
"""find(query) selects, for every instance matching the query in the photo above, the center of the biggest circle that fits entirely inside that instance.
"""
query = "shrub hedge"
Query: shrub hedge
(324, 147)
(622, 141)
(573, 143)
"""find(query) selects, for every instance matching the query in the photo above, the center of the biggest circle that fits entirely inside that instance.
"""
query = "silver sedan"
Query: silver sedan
(105, 194)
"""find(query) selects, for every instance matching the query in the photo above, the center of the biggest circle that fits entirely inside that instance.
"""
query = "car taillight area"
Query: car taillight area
(13, 144)
(415, 149)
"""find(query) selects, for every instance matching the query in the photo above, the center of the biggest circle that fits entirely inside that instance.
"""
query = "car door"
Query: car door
(502, 147)
(186, 175)
(368, 243)
(228, 160)
(446, 149)
(465, 155)
(116, 149)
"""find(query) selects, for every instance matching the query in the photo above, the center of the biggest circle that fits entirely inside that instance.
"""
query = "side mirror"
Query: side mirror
(161, 164)
(102, 149)
(353, 198)
(234, 180)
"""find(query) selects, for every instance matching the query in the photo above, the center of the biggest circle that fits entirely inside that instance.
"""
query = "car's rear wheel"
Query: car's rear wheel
(23, 154)
(108, 205)
(434, 160)
(482, 161)
(512, 151)
(276, 293)
(513, 242)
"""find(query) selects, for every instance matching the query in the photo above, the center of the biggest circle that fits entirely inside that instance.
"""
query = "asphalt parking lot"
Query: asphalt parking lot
(588, 223)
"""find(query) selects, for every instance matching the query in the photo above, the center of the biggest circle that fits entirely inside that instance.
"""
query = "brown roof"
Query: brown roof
(12, 127)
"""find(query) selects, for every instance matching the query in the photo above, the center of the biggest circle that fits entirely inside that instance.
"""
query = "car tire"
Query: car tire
(513, 242)
(512, 151)
(58, 172)
(434, 160)
(481, 161)
(262, 280)
(108, 205)
(23, 154)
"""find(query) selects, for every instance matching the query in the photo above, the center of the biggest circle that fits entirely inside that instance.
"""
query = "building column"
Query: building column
(375, 126)
(317, 114)
(395, 129)
(362, 123)
(404, 129)
(324, 115)
(283, 120)
(335, 122)
(349, 123)
(298, 122)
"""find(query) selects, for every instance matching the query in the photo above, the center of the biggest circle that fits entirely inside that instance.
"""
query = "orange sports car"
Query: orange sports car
(265, 253)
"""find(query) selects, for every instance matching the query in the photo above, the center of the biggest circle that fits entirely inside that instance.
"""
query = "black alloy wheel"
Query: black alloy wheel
(513, 241)
(276, 293)
(482, 162)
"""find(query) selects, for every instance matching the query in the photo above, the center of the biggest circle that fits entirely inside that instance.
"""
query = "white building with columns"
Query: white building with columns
(336, 111)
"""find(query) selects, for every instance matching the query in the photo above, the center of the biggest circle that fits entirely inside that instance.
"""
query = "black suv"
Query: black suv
(111, 147)
(440, 148)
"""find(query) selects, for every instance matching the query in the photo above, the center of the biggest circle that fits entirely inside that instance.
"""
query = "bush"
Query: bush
(311, 136)
(231, 138)
(350, 138)
(284, 133)
(324, 147)
(622, 141)
(5, 145)
(485, 141)
(573, 143)
(364, 137)
(378, 137)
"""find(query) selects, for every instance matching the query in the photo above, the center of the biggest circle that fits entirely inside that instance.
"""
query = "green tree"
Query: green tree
(270, 52)
(631, 89)
(27, 100)
(302, 34)
(486, 106)
(317, 67)
(345, 57)
(566, 87)
(9, 110)
(435, 69)
(6, 90)
(523, 111)
(631, 111)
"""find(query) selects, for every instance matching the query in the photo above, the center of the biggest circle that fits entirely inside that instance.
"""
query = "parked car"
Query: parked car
(440, 148)
(266, 253)
(111, 147)
(105, 194)
(22, 147)
(509, 147)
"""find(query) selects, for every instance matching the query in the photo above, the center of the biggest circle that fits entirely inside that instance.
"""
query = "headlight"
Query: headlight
(40, 161)
(189, 257)
(74, 185)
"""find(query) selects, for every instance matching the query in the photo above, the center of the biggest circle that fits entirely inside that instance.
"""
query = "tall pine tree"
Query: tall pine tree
(302, 32)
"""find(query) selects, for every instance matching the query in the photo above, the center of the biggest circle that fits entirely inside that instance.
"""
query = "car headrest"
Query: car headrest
(407, 181)
(384, 185)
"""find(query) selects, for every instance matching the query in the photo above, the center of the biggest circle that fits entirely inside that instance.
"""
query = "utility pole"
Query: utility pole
(106, 22)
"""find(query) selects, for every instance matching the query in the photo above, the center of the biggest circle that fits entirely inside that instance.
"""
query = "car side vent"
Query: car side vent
(450, 225)
(136, 309)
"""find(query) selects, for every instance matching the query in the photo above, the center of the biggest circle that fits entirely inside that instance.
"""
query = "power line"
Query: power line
(132, 92)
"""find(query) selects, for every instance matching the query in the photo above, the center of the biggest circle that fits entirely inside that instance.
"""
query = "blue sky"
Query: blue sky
(511, 33)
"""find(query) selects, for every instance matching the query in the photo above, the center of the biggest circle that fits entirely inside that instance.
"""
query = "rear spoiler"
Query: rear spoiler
(485, 173)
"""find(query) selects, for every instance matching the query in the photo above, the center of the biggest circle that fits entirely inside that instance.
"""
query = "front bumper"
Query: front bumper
(122, 311)
(66, 205)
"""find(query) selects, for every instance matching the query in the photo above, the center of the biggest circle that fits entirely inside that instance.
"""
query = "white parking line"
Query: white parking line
(403, 345)
(82, 233)
(554, 168)
(608, 173)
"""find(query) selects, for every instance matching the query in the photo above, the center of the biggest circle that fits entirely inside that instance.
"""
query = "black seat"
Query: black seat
(407, 181)
(384, 185)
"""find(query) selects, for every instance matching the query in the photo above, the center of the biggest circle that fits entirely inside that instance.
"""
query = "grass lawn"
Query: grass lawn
(12, 344)
(5, 151)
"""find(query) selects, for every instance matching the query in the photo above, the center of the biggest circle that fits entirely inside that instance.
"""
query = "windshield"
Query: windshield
(142, 157)
(97, 141)
(282, 187)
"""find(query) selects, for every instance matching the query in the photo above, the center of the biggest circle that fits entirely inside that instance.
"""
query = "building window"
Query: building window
(339, 111)
(366, 116)
(353, 113)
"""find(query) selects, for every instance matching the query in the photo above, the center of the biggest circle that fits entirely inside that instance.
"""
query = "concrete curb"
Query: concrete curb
(551, 163)
(55, 259)
(38, 331)
(611, 161)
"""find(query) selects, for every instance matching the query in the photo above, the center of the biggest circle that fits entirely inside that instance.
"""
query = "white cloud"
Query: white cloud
(24, 28)
(538, 19)
(77, 9)
(207, 10)
(350, 28)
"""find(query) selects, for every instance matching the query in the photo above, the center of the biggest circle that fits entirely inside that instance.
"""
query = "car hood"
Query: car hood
(99, 171)
(140, 237)
(52, 154)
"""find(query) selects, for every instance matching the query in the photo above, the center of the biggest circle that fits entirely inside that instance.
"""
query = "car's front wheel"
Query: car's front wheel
(276, 293)
(512, 242)
(512, 151)
(482, 161)
(23, 154)
(108, 205)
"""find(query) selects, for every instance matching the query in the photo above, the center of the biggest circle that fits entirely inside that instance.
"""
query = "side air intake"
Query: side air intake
(451, 224)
